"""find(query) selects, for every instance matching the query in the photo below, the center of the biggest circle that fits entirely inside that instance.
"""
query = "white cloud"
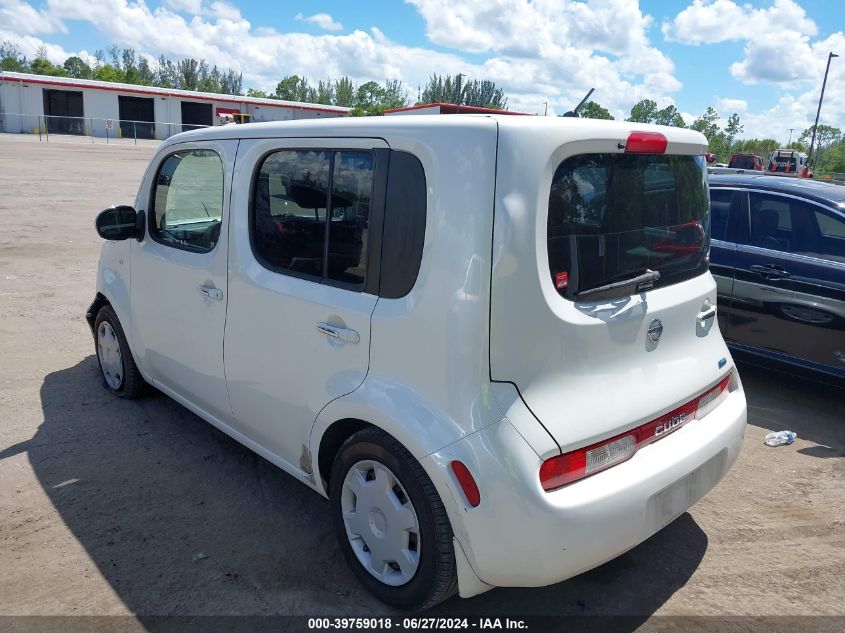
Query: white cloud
(323, 20)
(186, 6)
(732, 105)
(20, 17)
(778, 47)
(713, 21)
(541, 52)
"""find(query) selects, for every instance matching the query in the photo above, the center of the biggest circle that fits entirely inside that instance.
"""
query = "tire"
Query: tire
(428, 579)
(120, 374)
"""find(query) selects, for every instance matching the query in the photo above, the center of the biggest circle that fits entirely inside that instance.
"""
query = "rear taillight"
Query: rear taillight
(565, 469)
(646, 143)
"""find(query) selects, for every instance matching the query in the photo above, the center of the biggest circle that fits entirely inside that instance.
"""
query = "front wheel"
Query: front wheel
(391, 523)
(120, 374)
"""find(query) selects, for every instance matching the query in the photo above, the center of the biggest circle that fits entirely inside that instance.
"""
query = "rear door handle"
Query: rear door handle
(769, 271)
(709, 313)
(344, 334)
(210, 292)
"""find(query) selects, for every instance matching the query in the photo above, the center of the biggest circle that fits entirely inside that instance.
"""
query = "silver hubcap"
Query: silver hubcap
(108, 350)
(381, 523)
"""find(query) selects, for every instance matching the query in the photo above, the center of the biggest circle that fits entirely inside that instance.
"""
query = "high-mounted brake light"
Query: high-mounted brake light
(646, 143)
(467, 482)
(561, 470)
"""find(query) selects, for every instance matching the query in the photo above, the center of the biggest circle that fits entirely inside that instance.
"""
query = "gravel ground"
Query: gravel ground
(141, 508)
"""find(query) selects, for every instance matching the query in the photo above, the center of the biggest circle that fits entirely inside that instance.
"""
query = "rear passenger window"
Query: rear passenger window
(789, 225)
(295, 192)
(188, 201)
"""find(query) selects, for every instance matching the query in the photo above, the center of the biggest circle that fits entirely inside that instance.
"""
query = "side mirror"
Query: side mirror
(120, 223)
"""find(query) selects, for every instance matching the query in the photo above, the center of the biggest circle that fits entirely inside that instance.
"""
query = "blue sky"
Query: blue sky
(761, 58)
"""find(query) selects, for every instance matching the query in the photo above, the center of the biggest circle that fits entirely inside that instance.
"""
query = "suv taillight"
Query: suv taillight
(567, 468)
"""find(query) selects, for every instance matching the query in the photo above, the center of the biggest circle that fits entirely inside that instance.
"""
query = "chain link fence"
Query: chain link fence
(837, 177)
(98, 130)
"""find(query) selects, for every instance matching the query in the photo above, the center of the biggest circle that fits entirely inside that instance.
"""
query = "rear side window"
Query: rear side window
(295, 192)
(789, 225)
(617, 218)
(188, 201)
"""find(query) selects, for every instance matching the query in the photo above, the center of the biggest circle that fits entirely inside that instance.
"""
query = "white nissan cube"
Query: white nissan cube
(490, 341)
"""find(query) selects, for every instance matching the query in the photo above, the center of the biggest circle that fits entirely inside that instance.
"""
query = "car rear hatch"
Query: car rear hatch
(602, 306)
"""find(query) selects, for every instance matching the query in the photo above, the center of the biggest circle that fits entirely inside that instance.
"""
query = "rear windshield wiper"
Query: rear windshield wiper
(649, 276)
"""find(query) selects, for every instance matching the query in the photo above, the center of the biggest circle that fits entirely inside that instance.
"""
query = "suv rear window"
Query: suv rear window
(625, 223)
(742, 162)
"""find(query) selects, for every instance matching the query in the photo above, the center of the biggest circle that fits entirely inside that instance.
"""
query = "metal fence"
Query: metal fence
(50, 127)
(831, 176)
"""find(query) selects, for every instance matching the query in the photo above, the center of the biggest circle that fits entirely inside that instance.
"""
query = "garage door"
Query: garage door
(63, 111)
(137, 117)
(195, 115)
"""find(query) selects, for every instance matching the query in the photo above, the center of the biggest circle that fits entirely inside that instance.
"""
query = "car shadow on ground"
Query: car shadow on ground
(182, 520)
(780, 400)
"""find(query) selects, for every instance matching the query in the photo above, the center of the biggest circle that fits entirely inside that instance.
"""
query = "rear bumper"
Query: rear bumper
(521, 535)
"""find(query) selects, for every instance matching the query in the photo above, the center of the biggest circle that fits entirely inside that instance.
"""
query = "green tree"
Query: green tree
(77, 68)
(826, 135)
(146, 75)
(130, 67)
(43, 66)
(669, 116)
(592, 110)
(448, 89)
(11, 59)
(188, 73)
(325, 92)
(761, 147)
(344, 92)
(643, 111)
(733, 129)
(707, 123)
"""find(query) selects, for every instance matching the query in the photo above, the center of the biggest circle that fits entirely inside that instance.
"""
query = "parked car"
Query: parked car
(789, 162)
(778, 256)
(489, 341)
(746, 161)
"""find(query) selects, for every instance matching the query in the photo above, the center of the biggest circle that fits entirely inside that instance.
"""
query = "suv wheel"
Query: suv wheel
(120, 374)
(391, 523)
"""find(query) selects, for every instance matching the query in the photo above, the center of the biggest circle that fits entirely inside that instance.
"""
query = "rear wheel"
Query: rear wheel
(391, 523)
(120, 374)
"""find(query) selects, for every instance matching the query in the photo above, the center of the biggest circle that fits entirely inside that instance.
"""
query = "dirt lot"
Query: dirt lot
(111, 507)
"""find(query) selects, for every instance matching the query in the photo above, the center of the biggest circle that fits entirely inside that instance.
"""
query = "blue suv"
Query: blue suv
(778, 256)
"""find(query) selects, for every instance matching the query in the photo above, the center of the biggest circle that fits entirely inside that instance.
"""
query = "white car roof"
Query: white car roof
(386, 126)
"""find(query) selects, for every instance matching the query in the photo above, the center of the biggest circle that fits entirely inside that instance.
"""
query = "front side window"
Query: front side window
(188, 201)
(295, 192)
(615, 218)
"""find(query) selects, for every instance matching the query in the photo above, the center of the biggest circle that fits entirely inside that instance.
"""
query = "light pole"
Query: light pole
(818, 111)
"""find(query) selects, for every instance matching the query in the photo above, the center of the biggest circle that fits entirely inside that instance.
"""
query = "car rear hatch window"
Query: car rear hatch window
(621, 224)
(742, 162)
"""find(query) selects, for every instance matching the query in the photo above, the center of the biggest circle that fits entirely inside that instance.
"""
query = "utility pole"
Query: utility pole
(790, 136)
(830, 56)
(546, 111)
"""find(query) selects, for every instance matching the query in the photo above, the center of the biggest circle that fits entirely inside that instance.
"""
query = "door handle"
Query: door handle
(709, 313)
(211, 293)
(344, 334)
(769, 271)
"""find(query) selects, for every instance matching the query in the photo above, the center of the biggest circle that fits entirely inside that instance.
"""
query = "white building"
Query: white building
(33, 103)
